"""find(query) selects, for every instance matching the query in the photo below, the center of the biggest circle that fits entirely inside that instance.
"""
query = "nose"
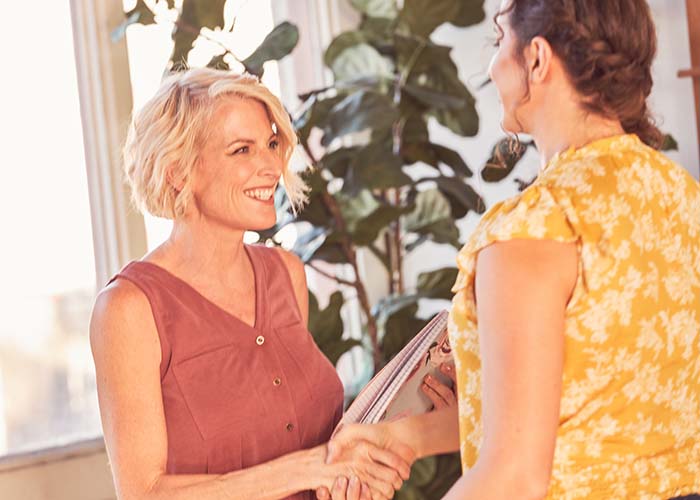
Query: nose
(270, 164)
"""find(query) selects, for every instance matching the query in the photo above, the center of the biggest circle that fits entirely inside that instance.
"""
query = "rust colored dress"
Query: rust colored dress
(236, 396)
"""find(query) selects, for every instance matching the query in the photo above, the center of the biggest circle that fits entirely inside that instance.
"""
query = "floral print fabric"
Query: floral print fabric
(629, 423)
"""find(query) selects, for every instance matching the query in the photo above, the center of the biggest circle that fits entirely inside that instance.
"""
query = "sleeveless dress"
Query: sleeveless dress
(629, 424)
(235, 396)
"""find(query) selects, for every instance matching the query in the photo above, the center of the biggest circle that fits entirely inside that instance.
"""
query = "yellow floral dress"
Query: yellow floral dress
(629, 424)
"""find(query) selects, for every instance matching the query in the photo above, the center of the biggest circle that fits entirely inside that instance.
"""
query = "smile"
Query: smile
(262, 194)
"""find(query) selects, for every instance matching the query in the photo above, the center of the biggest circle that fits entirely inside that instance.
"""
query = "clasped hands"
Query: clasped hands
(373, 461)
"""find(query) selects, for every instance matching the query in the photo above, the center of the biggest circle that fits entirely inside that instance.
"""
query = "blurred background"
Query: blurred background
(74, 71)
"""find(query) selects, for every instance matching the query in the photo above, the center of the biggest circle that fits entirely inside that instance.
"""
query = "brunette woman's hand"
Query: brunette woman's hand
(378, 472)
(441, 395)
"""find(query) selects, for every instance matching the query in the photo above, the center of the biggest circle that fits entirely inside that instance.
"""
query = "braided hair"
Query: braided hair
(607, 48)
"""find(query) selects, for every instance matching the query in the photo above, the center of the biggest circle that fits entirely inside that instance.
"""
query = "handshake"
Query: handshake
(371, 462)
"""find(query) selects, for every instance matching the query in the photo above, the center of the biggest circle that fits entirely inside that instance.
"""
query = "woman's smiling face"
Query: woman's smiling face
(238, 168)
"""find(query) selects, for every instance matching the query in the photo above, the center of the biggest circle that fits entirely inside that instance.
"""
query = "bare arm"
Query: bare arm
(127, 356)
(522, 288)
(126, 351)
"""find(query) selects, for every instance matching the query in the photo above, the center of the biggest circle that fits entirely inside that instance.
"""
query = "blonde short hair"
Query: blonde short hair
(166, 134)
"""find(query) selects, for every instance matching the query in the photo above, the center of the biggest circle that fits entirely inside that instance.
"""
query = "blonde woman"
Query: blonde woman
(210, 385)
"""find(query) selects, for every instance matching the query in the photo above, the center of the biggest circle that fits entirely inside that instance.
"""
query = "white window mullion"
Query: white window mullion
(105, 96)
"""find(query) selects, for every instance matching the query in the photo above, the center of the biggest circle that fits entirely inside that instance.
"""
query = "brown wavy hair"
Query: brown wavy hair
(607, 47)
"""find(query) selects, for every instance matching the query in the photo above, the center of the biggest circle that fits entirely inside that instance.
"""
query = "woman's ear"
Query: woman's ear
(538, 56)
(176, 181)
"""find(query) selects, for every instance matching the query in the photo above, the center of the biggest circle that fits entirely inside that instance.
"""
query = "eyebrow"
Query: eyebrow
(248, 141)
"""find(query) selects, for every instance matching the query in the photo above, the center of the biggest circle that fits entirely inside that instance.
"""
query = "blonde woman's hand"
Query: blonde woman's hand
(381, 472)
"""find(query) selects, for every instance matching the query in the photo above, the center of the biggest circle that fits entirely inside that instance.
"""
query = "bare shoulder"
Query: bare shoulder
(544, 262)
(295, 267)
(122, 320)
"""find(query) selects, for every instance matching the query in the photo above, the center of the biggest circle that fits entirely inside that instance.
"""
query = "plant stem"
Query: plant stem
(331, 276)
(351, 255)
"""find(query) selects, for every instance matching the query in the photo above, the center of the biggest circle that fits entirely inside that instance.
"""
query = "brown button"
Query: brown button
(260, 340)
(277, 381)
(290, 427)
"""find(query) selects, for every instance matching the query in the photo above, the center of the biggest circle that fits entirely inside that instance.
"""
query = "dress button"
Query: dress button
(260, 340)
(290, 427)
(277, 381)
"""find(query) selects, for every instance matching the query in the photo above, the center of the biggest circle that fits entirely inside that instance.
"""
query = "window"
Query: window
(47, 387)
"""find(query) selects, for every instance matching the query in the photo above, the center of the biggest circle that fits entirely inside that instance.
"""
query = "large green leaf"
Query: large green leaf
(434, 98)
(432, 218)
(505, 155)
(357, 207)
(376, 8)
(423, 471)
(460, 195)
(218, 62)
(326, 327)
(421, 54)
(376, 167)
(437, 284)
(423, 16)
(368, 229)
(453, 159)
(399, 329)
(449, 469)
(438, 86)
(343, 41)
(315, 114)
(195, 15)
(358, 111)
(277, 44)
(337, 162)
(471, 12)
(359, 61)
(203, 13)
(669, 143)
(378, 31)
(431, 207)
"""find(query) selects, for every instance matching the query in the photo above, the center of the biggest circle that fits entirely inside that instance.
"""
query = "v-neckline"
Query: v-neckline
(257, 283)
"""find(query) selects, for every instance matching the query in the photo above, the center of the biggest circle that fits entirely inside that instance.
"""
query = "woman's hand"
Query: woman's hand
(378, 472)
(441, 395)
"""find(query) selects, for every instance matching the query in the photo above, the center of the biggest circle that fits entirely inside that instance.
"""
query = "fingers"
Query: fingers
(394, 463)
(340, 489)
(322, 493)
(449, 370)
(365, 493)
(354, 489)
(389, 467)
(441, 395)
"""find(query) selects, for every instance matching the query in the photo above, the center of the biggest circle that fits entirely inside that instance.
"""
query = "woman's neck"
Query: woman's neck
(575, 129)
(203, 251)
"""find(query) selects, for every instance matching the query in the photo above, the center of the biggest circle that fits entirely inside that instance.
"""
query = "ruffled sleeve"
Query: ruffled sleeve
(538, 213)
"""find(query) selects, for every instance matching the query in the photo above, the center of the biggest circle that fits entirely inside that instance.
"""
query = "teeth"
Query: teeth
(260, 194)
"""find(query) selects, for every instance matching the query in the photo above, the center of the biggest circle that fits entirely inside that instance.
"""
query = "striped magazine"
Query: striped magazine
(395, 391)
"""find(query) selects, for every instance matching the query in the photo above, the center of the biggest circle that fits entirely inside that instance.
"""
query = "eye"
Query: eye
(274, 144)
(241, 150)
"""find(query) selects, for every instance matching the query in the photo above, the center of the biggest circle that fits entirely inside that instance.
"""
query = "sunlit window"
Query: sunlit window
(47, 284)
